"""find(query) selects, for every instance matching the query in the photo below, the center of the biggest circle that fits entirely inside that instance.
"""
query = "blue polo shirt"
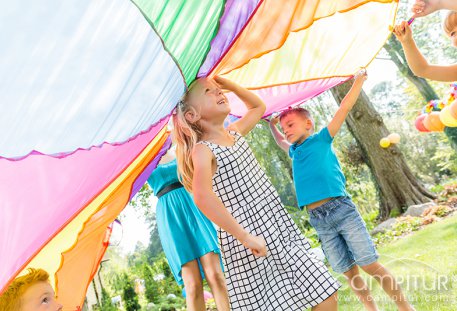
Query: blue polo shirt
(316, 170)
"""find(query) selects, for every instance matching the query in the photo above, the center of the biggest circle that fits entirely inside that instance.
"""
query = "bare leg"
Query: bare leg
(388, 283)
(360, 288)
(329, 304)
(194, 286)
(216, 280)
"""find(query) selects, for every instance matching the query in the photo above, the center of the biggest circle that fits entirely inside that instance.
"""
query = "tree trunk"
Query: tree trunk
(397, 186)
(395, 50)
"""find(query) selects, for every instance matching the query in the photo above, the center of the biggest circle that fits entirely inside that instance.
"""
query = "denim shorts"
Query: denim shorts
(343, 234)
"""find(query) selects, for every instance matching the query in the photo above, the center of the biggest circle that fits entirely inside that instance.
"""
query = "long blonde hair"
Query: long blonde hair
(185, 135)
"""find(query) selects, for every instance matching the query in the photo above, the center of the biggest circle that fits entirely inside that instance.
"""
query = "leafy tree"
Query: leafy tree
(129, 296)
(106, 301)
(142, 203)
(151, 286)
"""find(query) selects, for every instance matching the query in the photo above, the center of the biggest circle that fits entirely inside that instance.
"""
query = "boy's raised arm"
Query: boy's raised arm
(277, 135)
(347, 103)
(256, 107)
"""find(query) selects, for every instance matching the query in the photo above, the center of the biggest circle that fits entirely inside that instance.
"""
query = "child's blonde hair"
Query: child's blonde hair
(450, 22)
(185, 135)
(10, 300)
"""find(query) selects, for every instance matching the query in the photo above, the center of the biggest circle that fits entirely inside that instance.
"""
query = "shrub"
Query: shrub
(404, 225)
(438, 210)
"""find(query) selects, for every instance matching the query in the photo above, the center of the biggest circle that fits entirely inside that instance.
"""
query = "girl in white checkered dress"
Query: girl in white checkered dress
(267, 261)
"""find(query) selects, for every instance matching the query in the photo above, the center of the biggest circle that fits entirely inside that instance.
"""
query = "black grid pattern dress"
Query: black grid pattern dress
(289, 277)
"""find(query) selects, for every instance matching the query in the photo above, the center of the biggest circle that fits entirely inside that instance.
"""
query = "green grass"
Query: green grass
(425, 263)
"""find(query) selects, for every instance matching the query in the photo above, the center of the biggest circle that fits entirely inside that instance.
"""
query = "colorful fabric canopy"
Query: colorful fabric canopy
(88, 87)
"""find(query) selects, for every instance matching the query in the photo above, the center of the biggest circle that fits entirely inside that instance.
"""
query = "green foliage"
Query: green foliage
(151, 286)
(169, 304)
(143, 199)
(437, 188)
(395, 212)
(442, 210)
(128, 295)
(451, 133)
(404, 225)
(447, 191)
(407, 225)
(159, 283)
(106, 301)
(371, 219)
(156, 274)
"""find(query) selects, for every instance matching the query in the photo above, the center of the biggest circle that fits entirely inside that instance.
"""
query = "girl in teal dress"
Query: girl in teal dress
(188, 238)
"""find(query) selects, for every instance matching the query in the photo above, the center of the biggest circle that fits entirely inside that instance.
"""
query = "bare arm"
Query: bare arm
(346, 104)
(210, 204)
(417, 62)
(278, 136)
(255, 105)
(425, 7)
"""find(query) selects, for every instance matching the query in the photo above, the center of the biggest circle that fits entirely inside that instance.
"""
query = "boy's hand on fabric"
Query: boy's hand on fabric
(361, 75)
(403, 32)
(257, 245)
(274, 120)
(424, 7)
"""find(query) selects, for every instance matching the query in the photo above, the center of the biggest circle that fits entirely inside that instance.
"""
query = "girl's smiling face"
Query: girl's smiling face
(40, 297)
(208, 99)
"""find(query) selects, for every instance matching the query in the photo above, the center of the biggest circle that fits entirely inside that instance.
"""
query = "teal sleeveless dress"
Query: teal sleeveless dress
(185, 233)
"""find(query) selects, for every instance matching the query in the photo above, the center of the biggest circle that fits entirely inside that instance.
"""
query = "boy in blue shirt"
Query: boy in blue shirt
(320, 187)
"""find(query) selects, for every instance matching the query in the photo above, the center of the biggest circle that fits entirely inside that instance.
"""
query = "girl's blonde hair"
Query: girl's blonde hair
(450, 22)
(185, 135)
(10, 300)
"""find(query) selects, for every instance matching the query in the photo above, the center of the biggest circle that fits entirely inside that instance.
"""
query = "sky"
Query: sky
(133, 229)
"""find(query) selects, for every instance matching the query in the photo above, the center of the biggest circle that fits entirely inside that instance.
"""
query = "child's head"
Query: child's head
(297, 124)
(450, 27)
(203, 105)
(30, 292)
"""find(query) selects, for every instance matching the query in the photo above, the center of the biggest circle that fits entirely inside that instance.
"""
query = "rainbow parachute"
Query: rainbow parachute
(88, 87)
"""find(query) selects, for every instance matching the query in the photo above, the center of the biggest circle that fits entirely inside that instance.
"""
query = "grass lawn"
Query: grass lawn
(424, 263)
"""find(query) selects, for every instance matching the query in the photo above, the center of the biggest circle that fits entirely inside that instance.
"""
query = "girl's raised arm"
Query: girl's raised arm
(426, 7)
(417, 62)
(255, 105)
